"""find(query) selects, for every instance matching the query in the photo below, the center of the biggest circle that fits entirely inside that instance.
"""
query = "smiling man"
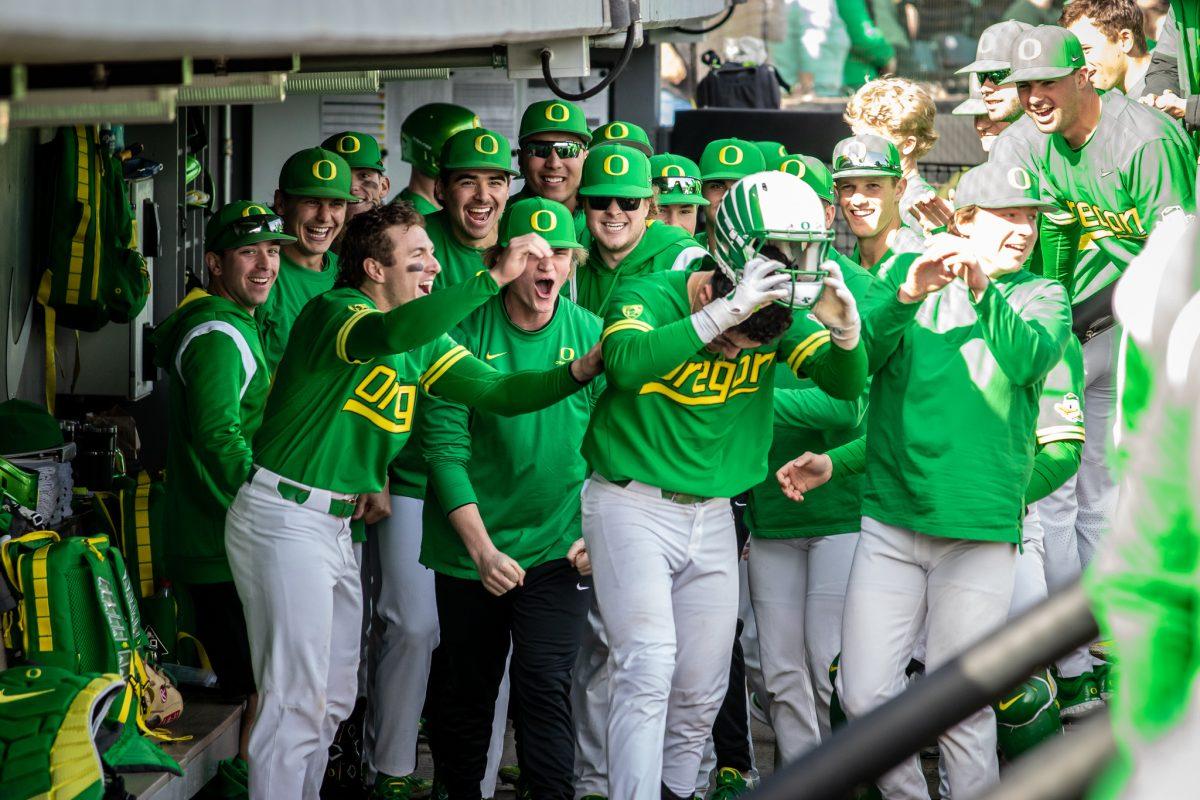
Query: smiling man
(368, 181)
(422, 135)
(1017, 135)
(554, 142)
(677, 191)
(1113, 41)
(211, 351)
(723, 163)
(867, 178)
(314, 189)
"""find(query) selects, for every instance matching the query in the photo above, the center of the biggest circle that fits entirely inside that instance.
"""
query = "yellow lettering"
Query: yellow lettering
(364, 389)
(760, 360)
(388, 403)
(1133, 222)
(698, 385)
(722, 377)
(1087, 216)
(689, 369)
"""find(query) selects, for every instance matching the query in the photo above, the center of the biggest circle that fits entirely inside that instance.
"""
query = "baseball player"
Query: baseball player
(1113, 41)
(422, 135)
(723, 163)
(987, 130)
(368, 179)
(676, 183)
(626, 133)
(680, 350)
(554, 140)
(1113, 168)
(618, 201)
(940, 521)
(212, 353)
(868, 178)
(502, 526)
(349, 382)
(903, 113)
(314, 188)
(1020, 138)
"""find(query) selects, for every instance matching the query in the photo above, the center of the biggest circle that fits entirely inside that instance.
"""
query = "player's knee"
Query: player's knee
(858, 692)
(416, 631)
(647, 670)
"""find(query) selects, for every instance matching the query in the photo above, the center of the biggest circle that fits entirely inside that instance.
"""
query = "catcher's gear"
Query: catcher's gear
(777, 215)
(425, 130)
(1027, 716)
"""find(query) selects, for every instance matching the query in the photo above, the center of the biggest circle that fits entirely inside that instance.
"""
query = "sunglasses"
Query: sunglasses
(623, 203)
(995, 76)
(674, 184)
(564, 150)
(260, 223)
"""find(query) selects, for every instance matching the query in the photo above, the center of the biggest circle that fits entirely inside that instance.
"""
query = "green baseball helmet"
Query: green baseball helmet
(779, 210)
(316, 172)
(616, 170)
(626, 133)
(548, 218)
(425, 130)
(477, 148)
(730, 160)
(1028, 716)
(361, 150)
(864, 155)
(811, 171)
(772, 152)
(677, 179)
(243, 222)
(554, 116)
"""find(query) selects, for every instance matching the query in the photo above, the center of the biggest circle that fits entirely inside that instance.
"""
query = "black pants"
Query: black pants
(731, 730)
(544, 620)
(221, 628)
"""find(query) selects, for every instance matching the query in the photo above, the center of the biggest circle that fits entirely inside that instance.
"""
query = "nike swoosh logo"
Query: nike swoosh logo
(580, 587)
(12, 698)
(490, 356)
(1106, 173)
(1007, 704)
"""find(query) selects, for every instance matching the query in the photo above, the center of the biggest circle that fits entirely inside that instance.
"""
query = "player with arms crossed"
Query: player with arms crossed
(683, 426)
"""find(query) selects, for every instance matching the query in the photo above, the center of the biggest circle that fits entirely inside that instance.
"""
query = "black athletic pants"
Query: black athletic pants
(731, 730)
(544, 619)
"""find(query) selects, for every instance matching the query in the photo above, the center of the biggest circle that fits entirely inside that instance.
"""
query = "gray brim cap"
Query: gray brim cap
(995, 45)
(973, 106)
(1044, 53)
(999, 185)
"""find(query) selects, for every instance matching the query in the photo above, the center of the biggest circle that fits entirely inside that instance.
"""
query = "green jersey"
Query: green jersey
(458, 260)
(663, 247)
(210, 350)
(1137, 166)
(351, 376)
(423, 206)
(294, 287)
(684, 419)
(525, 473)
(1060, 410)
(954, 404)
(809, 420)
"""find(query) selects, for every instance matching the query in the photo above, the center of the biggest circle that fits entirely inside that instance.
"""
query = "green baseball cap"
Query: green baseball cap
(995, 45)
(812, 172)
(997, 185)
(772, 152)
(677, 179)
(316, 172)
(243, 222)
(730, 160)
(27, 427)
(866, 154)
(361, 150)
(616, 170)
(626, 133)
(547, 218)
(973, 106)
(426, 129)
(554, 116)
(477, 148)
(1044, 53)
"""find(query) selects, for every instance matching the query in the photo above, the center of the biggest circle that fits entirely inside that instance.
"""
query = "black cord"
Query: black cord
(710, 28)
(626, 52)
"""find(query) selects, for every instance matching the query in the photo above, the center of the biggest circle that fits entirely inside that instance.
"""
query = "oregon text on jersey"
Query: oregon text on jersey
(710, 382)
(1101, 222)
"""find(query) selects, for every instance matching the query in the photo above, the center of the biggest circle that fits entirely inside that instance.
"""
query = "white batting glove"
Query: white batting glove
(836, 308)
(761, 283)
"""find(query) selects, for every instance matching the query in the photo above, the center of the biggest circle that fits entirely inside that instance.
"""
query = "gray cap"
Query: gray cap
(973, 106)
(866, 154)
(1044, 53)
(999, 185)
(995, 44)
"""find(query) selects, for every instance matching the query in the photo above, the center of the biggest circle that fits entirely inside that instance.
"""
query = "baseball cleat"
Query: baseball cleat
(1079, 695)
(403, 787)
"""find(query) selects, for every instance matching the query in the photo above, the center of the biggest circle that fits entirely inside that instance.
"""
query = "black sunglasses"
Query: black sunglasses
(564, 150)
(259, 223)
(995, 76)
(623, 203)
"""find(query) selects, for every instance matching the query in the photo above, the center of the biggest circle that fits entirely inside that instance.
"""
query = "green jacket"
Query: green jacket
(213, 356)
(662, 248)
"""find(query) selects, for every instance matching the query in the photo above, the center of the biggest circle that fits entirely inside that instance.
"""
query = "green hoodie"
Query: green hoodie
(662, 248)
(213, 355)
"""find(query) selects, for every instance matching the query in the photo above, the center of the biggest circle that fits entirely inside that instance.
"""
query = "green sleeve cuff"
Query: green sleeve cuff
(1053, 465)
(850, 458)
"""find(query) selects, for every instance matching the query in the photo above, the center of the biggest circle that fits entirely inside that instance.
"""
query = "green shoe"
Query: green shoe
(730, 784)
(403, 787)
(1078, 696)
(1106, 679)
(510, 774)
(232, 779)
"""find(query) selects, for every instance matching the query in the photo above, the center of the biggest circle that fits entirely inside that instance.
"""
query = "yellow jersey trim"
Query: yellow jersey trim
(440, 367)
(806, 348)
(626, 324)
(1060, 433)
(344, 333)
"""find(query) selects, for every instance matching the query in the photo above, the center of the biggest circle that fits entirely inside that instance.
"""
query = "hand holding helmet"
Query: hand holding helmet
(837, 310)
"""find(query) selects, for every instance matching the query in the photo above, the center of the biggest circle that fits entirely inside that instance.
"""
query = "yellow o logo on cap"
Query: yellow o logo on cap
(616, 130)
(673, 170)
(557, 112)
(737, 152)
(319, 172)
(348, 144)
(793, 166)
(483, 142)
(616, 158)
(248, 210)
(1018, 178)
(536, 223)
(1029, 49)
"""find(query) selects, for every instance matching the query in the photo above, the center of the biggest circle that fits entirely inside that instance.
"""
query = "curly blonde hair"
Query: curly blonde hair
(897, 108)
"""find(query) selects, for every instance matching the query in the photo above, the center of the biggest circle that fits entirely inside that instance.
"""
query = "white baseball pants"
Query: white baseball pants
(589, 703)
(666, 583)
(960, 590)
(1095, 489)
(1029, 586)
(295, 572)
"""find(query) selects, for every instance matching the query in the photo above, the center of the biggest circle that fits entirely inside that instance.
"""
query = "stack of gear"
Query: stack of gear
(36, 466)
